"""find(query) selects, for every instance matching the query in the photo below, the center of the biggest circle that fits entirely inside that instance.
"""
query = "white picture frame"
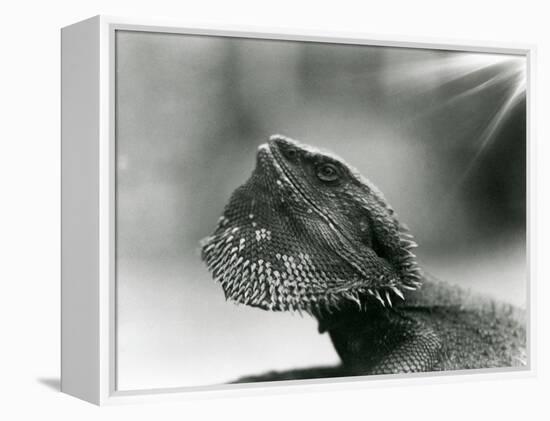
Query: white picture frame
(88, 209)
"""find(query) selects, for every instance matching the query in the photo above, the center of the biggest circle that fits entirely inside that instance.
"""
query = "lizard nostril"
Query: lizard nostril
(289, 152)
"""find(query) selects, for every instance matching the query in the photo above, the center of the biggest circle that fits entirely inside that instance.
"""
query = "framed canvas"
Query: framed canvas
(241, 210)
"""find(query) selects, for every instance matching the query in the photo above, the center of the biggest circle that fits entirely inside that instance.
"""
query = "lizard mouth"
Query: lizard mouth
(268, 164)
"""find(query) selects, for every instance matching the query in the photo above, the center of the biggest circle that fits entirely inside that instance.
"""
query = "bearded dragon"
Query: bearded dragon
(308, 233)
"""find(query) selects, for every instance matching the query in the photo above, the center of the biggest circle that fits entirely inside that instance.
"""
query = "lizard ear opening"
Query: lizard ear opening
(392, 242)
(379, 248)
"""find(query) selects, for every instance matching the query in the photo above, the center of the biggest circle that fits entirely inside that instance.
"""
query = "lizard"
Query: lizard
(308, 233)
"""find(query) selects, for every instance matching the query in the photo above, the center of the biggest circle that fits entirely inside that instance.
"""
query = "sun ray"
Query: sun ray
(481, 88)
(488, 134)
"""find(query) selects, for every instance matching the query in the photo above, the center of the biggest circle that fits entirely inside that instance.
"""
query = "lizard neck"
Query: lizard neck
(362, 337)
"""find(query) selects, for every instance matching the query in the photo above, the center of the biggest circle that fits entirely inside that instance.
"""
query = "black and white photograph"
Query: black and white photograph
(291, 210)
(275, 211)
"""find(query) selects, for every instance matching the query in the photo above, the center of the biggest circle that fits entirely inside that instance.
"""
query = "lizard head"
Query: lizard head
(308, 232)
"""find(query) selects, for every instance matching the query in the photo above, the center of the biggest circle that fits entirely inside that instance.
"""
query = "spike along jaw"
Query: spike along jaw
(307, 232)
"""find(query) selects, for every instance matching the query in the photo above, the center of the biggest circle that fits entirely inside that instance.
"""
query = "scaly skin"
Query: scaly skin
(308, 233)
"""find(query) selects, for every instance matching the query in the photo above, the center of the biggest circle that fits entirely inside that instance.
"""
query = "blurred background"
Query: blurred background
(442, 134)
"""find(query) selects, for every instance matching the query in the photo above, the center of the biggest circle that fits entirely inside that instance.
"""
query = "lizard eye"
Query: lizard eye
(327, 172)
